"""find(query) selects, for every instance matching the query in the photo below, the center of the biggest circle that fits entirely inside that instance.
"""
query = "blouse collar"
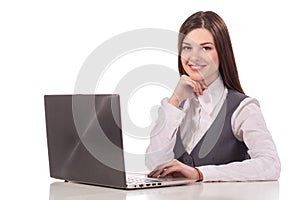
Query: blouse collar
(212, 95)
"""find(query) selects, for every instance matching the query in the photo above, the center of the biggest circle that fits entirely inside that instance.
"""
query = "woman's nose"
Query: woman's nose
(197, 55)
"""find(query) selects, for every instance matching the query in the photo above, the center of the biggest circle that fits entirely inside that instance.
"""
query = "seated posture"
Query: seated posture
(209, 129)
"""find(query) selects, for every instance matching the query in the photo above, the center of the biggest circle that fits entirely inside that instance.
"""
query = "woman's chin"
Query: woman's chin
(197, 77)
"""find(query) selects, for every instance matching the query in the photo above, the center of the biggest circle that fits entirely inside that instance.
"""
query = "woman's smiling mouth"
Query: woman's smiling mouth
(197, 67)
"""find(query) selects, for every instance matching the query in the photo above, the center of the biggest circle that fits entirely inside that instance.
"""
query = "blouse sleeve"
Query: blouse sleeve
(163, 135)
(249, 126)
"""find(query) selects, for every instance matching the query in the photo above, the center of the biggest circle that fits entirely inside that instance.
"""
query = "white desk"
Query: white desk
(210, 191)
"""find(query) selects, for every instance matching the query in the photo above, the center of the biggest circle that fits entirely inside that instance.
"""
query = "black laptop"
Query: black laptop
(84, 137)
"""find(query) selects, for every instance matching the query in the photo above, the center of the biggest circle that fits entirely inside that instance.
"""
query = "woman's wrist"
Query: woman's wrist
(174, 101)
(199, 173)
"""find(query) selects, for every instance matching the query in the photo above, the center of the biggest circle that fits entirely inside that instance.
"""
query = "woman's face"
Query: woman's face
(199, 56)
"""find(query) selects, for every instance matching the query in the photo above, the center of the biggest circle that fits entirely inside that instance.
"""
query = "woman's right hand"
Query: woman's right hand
(185, 87)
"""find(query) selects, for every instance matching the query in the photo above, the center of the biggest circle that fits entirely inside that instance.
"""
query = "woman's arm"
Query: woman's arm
(248, 126)
(163, 135)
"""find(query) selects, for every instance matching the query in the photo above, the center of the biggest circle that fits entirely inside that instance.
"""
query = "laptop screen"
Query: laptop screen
(85, 139)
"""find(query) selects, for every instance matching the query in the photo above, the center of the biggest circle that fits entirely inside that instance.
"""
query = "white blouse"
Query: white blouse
(248, 125)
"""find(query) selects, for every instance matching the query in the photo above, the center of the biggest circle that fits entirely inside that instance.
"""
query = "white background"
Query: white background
(43, 45)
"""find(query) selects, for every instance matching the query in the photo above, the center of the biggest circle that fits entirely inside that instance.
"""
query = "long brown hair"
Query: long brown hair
(217, 27)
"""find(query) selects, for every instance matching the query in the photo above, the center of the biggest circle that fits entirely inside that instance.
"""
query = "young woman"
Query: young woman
(209, 129)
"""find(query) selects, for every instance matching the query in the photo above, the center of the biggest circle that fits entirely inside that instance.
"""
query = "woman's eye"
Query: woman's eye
(185, 48)
(206, 48)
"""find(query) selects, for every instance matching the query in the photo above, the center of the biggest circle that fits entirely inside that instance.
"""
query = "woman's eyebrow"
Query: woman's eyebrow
(186, 43)
(206, 43)
(201, 44)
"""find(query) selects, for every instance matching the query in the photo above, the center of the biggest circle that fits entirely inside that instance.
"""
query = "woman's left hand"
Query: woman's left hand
(176, 168)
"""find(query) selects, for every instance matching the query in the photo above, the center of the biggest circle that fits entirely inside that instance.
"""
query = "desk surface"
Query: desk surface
(211, 191)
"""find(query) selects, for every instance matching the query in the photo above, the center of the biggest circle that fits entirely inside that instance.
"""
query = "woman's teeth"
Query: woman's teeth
(196, 67)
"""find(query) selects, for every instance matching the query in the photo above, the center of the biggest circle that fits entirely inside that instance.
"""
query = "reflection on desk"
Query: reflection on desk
(212, 191)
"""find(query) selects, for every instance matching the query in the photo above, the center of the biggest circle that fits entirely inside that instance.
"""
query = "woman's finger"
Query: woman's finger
(200, 90)
(158, 170)
(203, 84)
(170, 170)
(155, 173)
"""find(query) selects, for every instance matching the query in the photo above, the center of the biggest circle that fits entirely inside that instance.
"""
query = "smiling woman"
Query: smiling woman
(209, 129)
(199, 56)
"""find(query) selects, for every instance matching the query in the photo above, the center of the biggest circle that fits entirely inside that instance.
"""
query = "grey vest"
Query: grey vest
(218, 145)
